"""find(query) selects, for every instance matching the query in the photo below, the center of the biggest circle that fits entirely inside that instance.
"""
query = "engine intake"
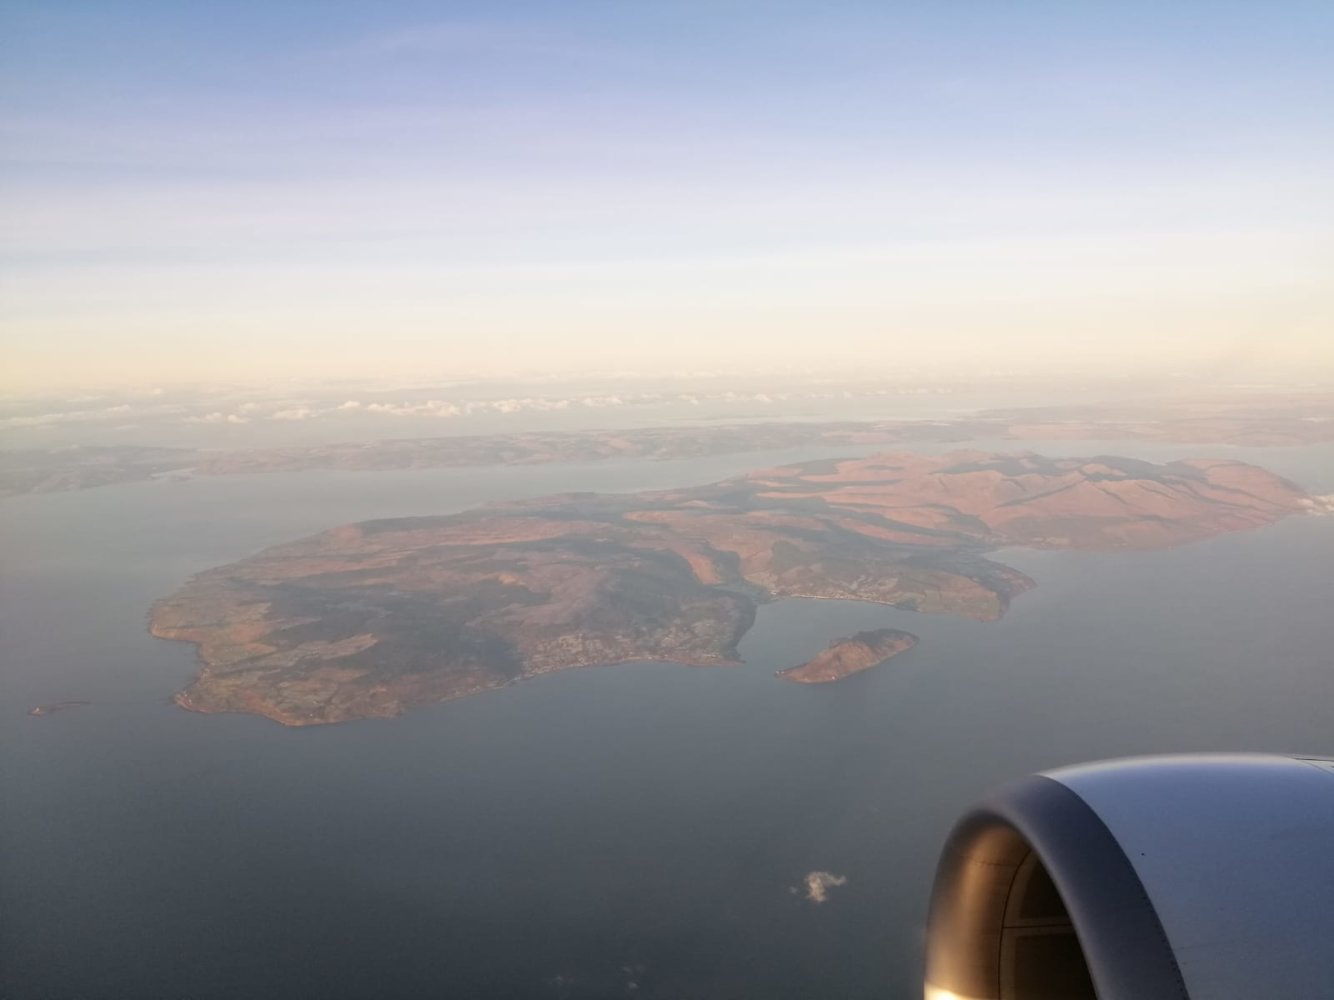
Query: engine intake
(1201, 877)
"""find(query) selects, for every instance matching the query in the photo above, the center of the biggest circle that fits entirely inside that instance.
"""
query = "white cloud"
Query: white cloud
(83, 416)
(818, 885)
(218, 417)
(430, 408)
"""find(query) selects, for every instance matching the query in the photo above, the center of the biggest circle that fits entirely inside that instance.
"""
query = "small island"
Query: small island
(371, 619)
(56, 706)
(851, 655)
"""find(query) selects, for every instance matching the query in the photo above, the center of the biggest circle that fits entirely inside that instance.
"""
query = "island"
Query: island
(851, 655)
(56, 706)
(370, 619)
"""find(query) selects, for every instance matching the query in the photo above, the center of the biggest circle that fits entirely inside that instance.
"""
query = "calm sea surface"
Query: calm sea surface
(634, 831)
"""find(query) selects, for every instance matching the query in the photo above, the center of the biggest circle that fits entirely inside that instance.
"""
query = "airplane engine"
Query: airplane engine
(1192, 877)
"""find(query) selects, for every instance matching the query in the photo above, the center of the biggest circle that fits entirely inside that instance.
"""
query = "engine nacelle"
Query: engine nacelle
(1194, 877)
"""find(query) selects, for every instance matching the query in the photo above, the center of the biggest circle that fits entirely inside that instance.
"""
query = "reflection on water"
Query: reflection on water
(631, 831)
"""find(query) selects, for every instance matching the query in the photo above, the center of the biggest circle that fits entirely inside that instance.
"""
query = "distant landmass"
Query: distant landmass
(1262, 423)
(370, 619)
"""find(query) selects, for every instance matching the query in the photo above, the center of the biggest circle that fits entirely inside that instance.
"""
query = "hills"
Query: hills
(370, 619)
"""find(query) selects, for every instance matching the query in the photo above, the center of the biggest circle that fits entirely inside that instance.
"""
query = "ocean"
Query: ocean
(632, 831)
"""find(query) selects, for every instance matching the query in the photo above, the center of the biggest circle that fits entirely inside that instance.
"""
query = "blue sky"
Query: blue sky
(255, 190)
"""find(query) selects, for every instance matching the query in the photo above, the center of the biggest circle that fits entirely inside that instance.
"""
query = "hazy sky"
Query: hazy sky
(256, 189)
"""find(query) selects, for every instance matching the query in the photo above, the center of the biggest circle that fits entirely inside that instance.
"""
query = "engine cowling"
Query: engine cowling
(1191, 877)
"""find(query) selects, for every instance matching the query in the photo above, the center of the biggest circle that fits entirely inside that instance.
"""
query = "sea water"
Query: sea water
(633, 831)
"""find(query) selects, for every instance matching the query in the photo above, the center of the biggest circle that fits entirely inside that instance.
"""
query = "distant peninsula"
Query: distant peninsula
(1273, 423)
(371, 619)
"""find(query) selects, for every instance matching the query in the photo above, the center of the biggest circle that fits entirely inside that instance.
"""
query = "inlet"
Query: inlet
(999, 928)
